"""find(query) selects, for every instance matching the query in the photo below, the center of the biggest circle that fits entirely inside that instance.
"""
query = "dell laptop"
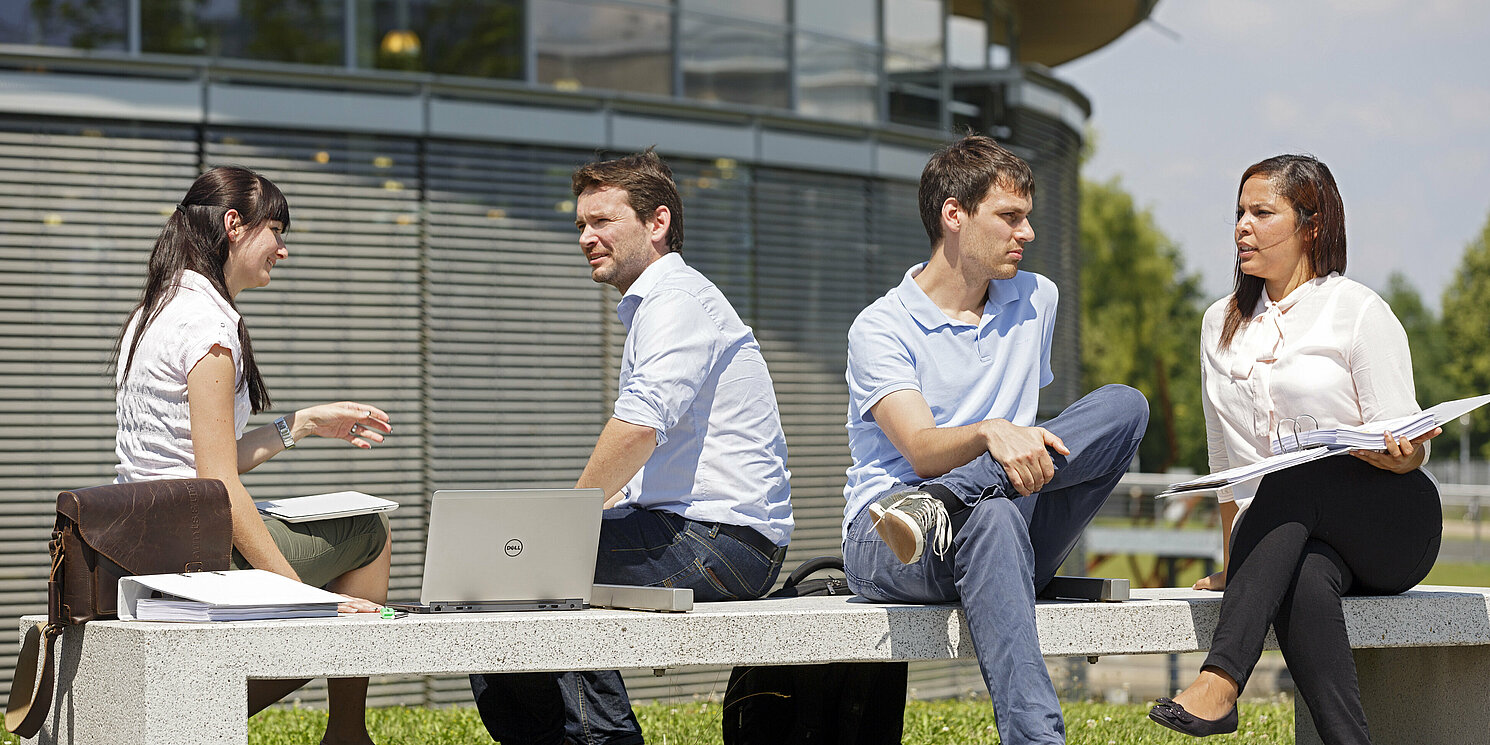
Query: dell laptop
(501, 550)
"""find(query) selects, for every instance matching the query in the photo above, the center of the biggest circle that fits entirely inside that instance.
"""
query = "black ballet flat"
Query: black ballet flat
(1174, 716)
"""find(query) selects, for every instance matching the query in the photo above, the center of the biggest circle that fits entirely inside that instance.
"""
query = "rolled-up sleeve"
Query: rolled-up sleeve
(675, 343)
(878, 364)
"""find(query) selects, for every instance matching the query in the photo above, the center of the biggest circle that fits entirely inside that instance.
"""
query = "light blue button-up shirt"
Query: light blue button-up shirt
(967, 373)
(692, 371)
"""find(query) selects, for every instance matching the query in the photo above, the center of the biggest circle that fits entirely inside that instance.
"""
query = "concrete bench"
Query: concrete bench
(1423, 657)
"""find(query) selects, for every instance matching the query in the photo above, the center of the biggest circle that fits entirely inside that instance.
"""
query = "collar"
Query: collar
(649, 278)
(1291, 299)
(194, 282)
(1001, 292)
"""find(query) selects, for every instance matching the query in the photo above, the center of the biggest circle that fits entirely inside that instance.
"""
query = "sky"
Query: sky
(1393, 95)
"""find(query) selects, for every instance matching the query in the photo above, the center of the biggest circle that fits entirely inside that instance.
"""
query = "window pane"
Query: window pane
(836, 79)
(914, 27)
(734, 62)
(916, 107)
(967, 43)
(771, 11)
(82, 24)
(915, 90)
(480, 38)
(610, 46)
(851, 19)
(303, 31)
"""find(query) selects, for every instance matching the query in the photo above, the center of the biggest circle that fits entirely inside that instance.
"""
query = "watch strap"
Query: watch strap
(284, 432)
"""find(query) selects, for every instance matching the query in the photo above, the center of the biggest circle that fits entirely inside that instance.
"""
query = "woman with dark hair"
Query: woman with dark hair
(187, 382)
(1298, 342)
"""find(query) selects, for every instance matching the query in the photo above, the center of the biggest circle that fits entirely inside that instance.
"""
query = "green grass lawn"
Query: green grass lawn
(1464, 575)
(958, 721)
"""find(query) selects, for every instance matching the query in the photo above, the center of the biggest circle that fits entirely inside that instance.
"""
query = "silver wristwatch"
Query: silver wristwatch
(284, 432)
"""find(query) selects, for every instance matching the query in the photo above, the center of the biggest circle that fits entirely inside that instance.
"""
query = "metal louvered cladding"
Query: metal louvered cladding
(812, 280)
(719, 228)
(517, 385)
(81, 203)
(1054, 153)
(341, 321)
(896, 240)
(440, 280)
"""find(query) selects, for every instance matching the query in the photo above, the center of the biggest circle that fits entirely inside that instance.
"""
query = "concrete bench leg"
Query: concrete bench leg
(1419, 696)
(113, 690)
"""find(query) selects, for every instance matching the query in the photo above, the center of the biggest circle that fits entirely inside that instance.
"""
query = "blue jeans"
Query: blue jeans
(637, 547)
(1007, 549)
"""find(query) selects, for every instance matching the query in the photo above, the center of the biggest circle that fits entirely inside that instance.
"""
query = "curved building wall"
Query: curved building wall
(434, 271)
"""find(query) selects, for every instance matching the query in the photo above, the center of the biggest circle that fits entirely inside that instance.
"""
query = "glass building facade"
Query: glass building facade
(425, 147)
(861, 61)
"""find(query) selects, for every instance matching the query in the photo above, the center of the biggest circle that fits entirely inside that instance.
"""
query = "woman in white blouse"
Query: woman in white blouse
(187, 382)
(1298, 342)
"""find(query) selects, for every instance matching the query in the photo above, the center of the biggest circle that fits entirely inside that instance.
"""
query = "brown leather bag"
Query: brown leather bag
(104, 533)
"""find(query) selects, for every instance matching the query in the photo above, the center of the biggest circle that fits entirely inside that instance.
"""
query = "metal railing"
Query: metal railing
(1134, 498)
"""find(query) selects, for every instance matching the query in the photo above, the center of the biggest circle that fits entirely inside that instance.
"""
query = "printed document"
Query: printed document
(241, 595)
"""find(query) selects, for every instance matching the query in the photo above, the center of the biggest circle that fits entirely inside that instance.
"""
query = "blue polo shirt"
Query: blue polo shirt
(967, 373)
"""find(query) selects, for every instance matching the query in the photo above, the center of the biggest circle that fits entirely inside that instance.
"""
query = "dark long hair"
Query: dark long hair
(1317, 210)
(194, 238)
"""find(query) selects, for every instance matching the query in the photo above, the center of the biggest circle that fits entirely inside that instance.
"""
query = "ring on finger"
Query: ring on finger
(353, 431)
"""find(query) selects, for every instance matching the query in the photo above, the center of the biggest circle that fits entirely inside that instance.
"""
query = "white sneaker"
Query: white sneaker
(904, 520)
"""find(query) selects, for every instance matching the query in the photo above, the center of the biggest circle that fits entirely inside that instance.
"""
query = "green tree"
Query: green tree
(1466, 332)
(1430, 353)
(1140, 316)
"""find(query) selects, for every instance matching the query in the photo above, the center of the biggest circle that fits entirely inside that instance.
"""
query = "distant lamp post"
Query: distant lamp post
(1464, 449)
(1474, 502)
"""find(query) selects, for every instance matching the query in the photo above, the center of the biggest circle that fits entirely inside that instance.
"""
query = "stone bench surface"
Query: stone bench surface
(770, 631)
(168, 683)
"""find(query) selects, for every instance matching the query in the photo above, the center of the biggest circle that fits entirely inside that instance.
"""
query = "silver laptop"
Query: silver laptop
(523, 549)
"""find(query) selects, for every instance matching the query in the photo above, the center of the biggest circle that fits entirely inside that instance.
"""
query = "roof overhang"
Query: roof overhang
(1051, 32)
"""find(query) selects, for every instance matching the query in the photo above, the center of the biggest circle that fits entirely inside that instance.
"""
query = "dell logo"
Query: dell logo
(513, 547)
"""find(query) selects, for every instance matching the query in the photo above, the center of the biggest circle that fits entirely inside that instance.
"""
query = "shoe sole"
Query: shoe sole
(898, 532)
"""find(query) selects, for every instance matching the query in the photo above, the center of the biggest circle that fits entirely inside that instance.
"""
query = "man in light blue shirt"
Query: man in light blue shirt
(693, 461)
(944, 375)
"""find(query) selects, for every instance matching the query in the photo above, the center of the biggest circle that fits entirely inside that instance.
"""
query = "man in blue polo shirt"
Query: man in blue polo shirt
(692, 462)
(954, 495)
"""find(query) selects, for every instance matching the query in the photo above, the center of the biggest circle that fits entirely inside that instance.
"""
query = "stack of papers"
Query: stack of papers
(246, 595)
(324, 506)
(1368, 436)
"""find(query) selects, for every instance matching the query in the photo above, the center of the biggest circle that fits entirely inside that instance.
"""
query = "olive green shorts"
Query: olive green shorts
(322, 550)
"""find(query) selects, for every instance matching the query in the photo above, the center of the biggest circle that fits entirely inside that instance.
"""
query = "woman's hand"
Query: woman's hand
(359, 424)
(1215, 582)
(357, 605)
(1401, 455)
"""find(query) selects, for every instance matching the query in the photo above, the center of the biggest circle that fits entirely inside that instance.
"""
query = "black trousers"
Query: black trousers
(1333, 527)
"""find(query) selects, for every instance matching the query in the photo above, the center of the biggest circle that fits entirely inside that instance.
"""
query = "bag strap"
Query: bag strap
(29, 703)
(806, 568)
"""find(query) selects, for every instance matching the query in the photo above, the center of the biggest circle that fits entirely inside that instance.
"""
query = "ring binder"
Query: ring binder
(1278, 431)
(1315, 443)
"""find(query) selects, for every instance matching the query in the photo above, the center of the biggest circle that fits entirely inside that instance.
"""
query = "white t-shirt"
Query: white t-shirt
(154, 437)
(1331, 350)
